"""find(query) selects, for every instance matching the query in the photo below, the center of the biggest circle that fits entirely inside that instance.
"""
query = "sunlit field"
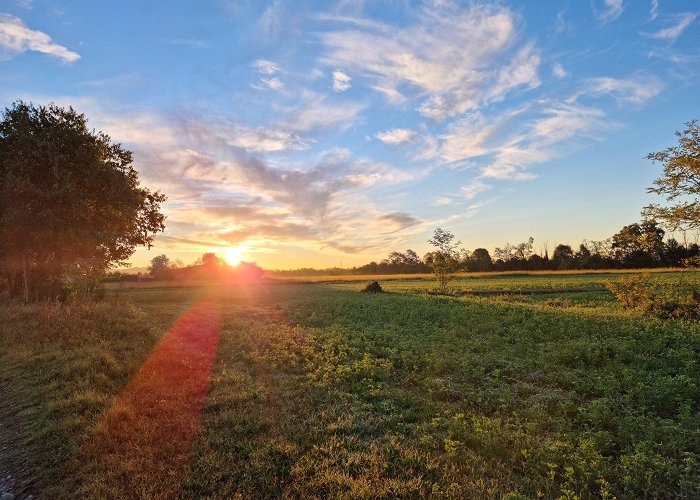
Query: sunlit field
(317, 390)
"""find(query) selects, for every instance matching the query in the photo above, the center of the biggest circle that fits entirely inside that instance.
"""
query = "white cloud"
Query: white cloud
(471, 190)
(273, 83)
(542, 140)
(472, 136)
(16, 38)
(341, 81)
(521, 72)
(265, 140)
(654, 11)
(392, 95)
(558, 70)
(506, 146)
(266, 67)
(672, 32)
(612, 11)
(314, 112)
(636, 89)
(396, 136)
(455, 59)
(442, 201)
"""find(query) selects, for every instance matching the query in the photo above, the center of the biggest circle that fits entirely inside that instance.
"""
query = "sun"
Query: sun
(233, 256)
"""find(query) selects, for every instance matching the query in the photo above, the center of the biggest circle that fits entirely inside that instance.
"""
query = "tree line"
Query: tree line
(207, 267)
(636, 246)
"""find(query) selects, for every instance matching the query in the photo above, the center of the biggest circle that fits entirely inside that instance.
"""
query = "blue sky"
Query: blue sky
(328, 133)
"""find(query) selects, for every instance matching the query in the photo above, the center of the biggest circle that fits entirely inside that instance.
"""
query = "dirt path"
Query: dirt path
(143, 444)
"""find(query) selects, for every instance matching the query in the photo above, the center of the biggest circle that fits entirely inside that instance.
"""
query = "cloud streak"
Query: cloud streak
(683, 21)
(16, 38)
(612, 11)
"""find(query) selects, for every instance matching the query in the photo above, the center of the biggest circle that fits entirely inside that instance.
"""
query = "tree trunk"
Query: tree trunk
(25, 275)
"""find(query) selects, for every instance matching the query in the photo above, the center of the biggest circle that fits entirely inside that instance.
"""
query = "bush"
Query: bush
(373, 287)
(82, 287)
(680, 299)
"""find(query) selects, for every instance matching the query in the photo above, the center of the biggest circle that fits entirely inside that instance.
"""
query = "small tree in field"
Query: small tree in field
(445, 260)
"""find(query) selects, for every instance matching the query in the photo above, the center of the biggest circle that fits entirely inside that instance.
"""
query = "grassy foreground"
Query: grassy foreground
(320, 391)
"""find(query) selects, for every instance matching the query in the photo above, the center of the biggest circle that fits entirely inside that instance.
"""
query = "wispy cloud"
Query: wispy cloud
(442, 201)
(271, 21)
(315, 112)
(558, 70)
(16, 38)
(273, 83)
(396, 136)
(266, 67)
(636, 89)
(542, 140)
(611, 11)
(654, 10)
(456, 59)
(672, 32)
(506, 145)
(471, 190)
(341, 81)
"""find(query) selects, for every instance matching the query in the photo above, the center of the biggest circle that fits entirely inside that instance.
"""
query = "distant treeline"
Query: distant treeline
(636, 246)
(207, 267)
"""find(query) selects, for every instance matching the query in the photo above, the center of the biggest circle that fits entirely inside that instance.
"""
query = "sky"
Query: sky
(321, 134)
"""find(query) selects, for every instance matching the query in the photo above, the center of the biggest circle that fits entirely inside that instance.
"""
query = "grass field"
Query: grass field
(319, 391)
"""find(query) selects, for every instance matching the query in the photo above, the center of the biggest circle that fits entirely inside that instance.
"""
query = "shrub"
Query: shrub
(373, 287)
(679, 299)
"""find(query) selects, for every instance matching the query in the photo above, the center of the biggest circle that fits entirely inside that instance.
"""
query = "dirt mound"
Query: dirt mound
(373, 287)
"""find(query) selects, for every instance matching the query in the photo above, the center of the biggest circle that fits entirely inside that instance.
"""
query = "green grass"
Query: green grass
(321, 391)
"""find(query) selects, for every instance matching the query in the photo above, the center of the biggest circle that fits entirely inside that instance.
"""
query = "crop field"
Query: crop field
(541, 388)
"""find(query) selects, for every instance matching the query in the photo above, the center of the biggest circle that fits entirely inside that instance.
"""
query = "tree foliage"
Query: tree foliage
(680, 182)
(161, 267)
(445, 260)
(70, 202)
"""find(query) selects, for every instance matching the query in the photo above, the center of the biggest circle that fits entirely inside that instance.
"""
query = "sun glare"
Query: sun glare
(233, 256)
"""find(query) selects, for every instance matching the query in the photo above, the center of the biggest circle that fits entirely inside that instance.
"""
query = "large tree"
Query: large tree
(680, 182)
(639, 245)
(70, 200)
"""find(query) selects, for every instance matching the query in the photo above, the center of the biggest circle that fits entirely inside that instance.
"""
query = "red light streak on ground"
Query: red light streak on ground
(143, 444)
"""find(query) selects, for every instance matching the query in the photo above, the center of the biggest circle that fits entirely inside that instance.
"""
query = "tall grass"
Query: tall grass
(61, 367)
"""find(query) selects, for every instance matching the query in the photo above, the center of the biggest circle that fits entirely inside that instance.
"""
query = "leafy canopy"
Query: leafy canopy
(680, 182)
(70, 198)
